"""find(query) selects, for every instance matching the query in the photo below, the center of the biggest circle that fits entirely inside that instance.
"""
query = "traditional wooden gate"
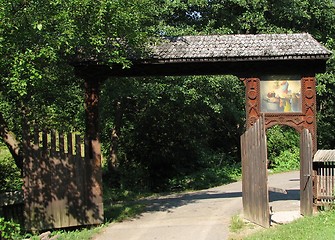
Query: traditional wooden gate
(254, 174)
(60, 182)
(306, 158)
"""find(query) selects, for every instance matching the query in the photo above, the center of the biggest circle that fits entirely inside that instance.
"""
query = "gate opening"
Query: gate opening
(283, 145)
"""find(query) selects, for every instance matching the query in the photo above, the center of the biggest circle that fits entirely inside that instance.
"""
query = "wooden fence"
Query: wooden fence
(59, 182)
(254, 174)
(324, 177)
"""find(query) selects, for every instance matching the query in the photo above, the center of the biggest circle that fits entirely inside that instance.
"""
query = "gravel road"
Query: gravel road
(202, 215)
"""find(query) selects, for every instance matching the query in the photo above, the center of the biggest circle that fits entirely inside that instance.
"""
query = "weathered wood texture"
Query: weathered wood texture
(324, 177)
(306, 156)
(254, 174)
(59, 182)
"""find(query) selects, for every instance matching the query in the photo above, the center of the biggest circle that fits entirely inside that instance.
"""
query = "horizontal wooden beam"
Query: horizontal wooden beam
(238, 68)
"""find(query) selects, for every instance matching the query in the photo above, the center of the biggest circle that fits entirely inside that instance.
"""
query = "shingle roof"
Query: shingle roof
(324, 156)
(239, 48)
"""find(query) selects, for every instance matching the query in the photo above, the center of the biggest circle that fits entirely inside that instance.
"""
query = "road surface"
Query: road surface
(201, 215)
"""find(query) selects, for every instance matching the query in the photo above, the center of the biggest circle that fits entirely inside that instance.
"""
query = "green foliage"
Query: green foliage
(283, 148)
(168, 122)
(326, 110)
(165, 125)
(38, 41)
(10, 175)
(121, 204)
(236, 224)
(286, 161)
(219, 169)
(9, 230)
(78, 234)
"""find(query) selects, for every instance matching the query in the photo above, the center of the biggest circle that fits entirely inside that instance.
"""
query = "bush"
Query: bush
(9, 229)
(10, 175)
(283, 148)
(287, 160)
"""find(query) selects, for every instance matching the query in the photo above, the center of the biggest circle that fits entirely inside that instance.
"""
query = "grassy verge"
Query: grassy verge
(121, 205)
(240, 228)
(319, 227)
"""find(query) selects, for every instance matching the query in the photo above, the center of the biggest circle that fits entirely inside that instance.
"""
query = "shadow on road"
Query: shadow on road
(174, 201)
(291, 195)
(170, 202)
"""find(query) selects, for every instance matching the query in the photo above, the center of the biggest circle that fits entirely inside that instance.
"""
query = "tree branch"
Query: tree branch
(11, 142)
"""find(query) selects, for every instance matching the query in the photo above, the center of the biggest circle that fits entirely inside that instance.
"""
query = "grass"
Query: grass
(237, 224)
(79, 234)
(239, 228)
(319, 227)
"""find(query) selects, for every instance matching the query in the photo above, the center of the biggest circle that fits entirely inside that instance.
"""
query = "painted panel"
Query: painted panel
(280, 94)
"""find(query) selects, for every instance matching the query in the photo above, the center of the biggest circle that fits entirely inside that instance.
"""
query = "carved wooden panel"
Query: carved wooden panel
(299, 121)
(252, 100)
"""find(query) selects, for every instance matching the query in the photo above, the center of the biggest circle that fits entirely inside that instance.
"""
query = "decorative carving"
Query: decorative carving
(252, 103)
(297, 120)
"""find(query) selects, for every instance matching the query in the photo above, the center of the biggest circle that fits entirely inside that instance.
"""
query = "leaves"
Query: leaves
(166, 123)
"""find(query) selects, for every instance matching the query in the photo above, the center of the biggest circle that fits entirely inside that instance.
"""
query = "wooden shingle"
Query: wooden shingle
(241, 47)
(324, 156)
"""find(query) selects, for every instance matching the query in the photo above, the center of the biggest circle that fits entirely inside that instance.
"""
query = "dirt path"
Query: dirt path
(199, 215)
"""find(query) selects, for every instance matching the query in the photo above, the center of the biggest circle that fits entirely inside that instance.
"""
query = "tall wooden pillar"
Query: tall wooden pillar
(93, 78)
(92, 88)
(309, 108)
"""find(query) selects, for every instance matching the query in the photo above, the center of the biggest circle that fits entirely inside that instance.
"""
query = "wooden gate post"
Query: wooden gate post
(255, 195)
(93, 77)
(92, 88)
(306, 158)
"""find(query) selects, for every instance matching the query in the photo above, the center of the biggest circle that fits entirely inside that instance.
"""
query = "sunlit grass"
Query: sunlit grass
(319, 227)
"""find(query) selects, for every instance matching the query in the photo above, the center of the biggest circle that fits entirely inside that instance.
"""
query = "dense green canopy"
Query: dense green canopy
(155, 128)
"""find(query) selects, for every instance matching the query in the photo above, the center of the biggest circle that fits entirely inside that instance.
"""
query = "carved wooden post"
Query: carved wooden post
(252, 100)
(309, 106)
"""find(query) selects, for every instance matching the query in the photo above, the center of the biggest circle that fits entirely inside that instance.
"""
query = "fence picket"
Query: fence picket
(56, 183)
(61, 145)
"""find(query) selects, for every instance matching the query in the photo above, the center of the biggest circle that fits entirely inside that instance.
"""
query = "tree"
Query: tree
(39, 38)
(38, 41)
(169, 125)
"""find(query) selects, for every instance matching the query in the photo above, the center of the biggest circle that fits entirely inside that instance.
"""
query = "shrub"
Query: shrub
(287, 160)
(10, 175)
(9, 229)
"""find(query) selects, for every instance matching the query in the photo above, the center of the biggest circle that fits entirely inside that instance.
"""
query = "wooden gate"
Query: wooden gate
(59, 182)
(255, 194)
(306, 157)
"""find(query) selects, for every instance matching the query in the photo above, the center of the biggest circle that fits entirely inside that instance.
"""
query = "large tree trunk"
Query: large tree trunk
(11, 142)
